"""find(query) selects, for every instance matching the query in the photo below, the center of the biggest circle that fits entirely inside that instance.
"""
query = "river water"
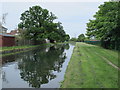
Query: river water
(43, 67)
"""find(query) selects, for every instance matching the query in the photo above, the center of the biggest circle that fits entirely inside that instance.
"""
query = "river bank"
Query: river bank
(90, 67)
(15, 49)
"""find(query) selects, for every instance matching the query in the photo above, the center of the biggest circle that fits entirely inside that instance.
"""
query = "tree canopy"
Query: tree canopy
(81, 38)
(38, 24)
(73, 39)
(105, 25)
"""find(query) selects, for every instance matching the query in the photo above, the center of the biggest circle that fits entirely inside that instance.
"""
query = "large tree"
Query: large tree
(38, 24)
(105, 25)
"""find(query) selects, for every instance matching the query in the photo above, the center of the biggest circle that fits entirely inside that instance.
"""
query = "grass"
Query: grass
(27, 46)
(3, 55)
(88, 69)
(17, 47)
(22, 47)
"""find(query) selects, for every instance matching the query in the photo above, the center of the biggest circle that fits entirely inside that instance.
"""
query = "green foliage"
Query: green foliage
(81, 38)
(38, 25)
(67, 37)
(17, 47)
(20, 39)
(105, 25)
(73, 39)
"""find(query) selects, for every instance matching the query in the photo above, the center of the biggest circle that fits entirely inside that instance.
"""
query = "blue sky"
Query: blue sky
(73, 15)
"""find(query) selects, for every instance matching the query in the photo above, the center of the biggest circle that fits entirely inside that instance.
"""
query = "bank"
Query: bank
(92, 67)
(6, 50)
(17, 49)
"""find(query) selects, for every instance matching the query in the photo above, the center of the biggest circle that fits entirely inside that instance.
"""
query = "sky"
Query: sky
(72, 14)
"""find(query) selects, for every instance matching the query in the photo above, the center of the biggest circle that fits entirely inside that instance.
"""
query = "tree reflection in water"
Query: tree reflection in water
(37, 67)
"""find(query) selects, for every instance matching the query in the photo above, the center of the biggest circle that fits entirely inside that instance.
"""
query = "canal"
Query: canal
(43, 67)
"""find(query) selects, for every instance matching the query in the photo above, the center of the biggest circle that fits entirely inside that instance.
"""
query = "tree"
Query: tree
(73, 39)
(67, 37)
(39, 25)
(56, 33)
(81, 38)
(105, 25)
(34, 22)
(20, 38)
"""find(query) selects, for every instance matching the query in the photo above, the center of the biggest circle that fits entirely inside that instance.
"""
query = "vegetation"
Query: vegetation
(88, 68)
(73, 39)
(81, 38)
(23, 47)
(98, 43)
(17, 47)
(105, 25)
(37, 24)
(14, 53)
(20, 40)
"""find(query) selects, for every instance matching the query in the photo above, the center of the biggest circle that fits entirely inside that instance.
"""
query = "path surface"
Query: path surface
(92, 67)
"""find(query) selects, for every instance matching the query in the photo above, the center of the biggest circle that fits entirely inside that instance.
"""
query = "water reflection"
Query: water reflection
(37, 67)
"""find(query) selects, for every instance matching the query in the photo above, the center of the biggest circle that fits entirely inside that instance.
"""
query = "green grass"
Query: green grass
(27, 46)
(22, 47)
(17, 47)
(8, 54)
(88, 69)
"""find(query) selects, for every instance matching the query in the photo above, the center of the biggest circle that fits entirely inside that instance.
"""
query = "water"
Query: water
(43, 67)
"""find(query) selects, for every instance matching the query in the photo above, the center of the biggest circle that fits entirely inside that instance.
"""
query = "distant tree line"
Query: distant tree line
(37, 24)
(106, 25)
(80, 38)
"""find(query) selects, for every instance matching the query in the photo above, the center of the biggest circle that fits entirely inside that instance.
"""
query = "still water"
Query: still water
(43, 67)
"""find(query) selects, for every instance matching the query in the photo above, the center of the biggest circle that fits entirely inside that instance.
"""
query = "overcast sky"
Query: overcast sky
(73, 15)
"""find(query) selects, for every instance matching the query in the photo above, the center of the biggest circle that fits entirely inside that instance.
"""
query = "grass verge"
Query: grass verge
(88, 69)
(17, 47)
(22, 47)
